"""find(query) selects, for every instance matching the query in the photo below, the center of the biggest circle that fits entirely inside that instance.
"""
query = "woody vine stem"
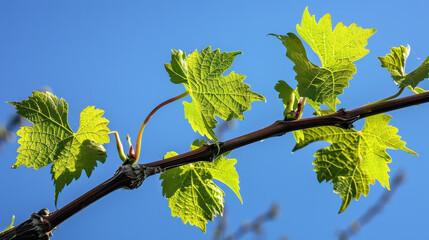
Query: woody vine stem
(131, 176)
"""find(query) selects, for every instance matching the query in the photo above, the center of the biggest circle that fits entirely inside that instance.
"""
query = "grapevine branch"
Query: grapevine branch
(132, 176)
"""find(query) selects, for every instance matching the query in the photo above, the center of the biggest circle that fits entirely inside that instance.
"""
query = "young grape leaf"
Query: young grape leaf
(337, 50)
(285, 94)
(10, 225)
(284, 91)
(395, 63)
(51, 140)
(192, 195)
(212, 94)
(89, 153)
(355, 159)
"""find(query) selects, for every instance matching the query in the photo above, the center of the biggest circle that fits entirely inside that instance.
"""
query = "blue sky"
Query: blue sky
(111, 54)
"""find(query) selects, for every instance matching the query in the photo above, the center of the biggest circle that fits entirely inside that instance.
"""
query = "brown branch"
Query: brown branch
(341, 118)
(33, 229)
(127, 176)
(131, 177)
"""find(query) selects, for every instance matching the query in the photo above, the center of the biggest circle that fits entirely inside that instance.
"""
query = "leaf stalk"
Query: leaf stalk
(391, 97)
(139, 135)
(119, 146)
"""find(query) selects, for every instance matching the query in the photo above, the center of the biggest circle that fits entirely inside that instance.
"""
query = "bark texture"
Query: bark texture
(33, 228)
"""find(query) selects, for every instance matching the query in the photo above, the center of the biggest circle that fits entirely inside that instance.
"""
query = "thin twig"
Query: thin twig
(257, 224)
(342, 118)
(391, 97)
(372, 212)
(219, 232)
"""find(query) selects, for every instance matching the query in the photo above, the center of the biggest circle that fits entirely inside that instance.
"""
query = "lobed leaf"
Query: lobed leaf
(355, 159)
(192, 195)
(285, 92)
(51, 139)
(212, 94)
(337, 50)
(395, 63)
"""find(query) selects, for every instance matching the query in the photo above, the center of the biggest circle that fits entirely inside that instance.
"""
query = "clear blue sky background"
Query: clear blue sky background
(111, 54)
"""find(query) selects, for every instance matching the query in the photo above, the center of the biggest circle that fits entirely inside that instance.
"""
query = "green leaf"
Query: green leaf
(395, 63)
(355, 159)
(178, 69)
(212, 94)
(337, 50)
(285, 94)
(192, 195)
(51, 139)
(89, 152)
(10, 225)
(284, 91)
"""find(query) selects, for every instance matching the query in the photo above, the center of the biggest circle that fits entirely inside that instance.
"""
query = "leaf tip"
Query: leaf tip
(344, 206)
(238, 53)
(412, 152)
(306, 10)
(296, 148)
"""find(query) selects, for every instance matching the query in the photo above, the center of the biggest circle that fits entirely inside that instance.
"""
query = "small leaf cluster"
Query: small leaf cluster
(355, 159)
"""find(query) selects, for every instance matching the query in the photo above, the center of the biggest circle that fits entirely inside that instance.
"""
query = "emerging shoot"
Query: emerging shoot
(139, 135)
(119, 146)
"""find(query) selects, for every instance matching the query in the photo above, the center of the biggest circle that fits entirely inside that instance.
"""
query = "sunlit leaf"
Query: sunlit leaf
(212, 93)
(337, 50)
(192, 195)
(51, 139)
(395, 63)
(355, 159)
